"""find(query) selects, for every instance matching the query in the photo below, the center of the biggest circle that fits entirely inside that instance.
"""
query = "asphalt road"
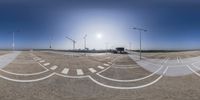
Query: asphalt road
(56, 76)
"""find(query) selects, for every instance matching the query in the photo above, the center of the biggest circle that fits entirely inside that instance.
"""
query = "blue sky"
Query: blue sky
(171, 24)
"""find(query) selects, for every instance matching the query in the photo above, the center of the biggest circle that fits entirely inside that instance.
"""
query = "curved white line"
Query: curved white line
(71, 76)
(42, 66)
(195, 62)
(136, 87)
(46, 70)
(103, 70)
(27, 81)
(178, 60)
(181, 61)
(131, 80)
(196, 67)
(122, 65)
(193, 71)
(24, 74)
(126, 67)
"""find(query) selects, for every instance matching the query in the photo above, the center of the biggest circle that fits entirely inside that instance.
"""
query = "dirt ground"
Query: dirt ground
(4, 52)
(74, 82)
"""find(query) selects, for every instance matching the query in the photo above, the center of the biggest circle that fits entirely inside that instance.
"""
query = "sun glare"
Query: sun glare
(99, 35)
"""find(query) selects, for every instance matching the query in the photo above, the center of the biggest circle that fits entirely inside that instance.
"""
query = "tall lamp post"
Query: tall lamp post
(13, 44)
(140, 30)
(13, 39)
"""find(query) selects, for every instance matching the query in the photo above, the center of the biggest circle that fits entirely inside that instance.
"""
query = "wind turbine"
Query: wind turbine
(73, 41)
(85, 41)
(50, 46)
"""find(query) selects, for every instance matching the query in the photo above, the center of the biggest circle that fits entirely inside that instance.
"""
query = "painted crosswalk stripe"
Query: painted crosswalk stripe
(100, 67)
(42, 61)
(92, 70)
(54, 67)
(110, 62)
(178, 60)
(65, 71)
(46, 64)
(37, 59)
(79, 72)
(106, 64)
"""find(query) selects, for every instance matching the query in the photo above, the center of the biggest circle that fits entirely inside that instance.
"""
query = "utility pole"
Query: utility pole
(73, 41)
(140, 30)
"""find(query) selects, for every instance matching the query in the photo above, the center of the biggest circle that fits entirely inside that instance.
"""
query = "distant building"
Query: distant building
(119, 50)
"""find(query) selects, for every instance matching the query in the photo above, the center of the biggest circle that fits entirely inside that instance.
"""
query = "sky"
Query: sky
(170, 24)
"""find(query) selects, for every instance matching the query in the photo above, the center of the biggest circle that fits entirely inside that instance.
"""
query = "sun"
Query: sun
(99, 35)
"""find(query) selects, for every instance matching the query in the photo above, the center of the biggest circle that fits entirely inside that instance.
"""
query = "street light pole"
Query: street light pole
(140, 30)
(13, 45)
(140, 45)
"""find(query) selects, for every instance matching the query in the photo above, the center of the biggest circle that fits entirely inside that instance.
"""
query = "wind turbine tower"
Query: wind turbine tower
(85, 41)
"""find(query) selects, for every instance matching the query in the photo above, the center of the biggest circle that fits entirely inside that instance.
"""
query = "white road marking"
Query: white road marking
(30, 74)
(42, 61)
(72, 76)
(36, 58)
(65, 71)
(24, 74)
(100, 67)
(92, 70)
(196, 67)
(40, 79)
(23, 81)
(54, 67)
(195, 62)
(79, 72)
(178, 60)
(110, 62)
(166, 59)
(126, 67)
(108, 58)
(106, 64)
(46, 64)
(136, 87)
(193, 71)
(134, 80)
(8, 58)
(123, 65)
